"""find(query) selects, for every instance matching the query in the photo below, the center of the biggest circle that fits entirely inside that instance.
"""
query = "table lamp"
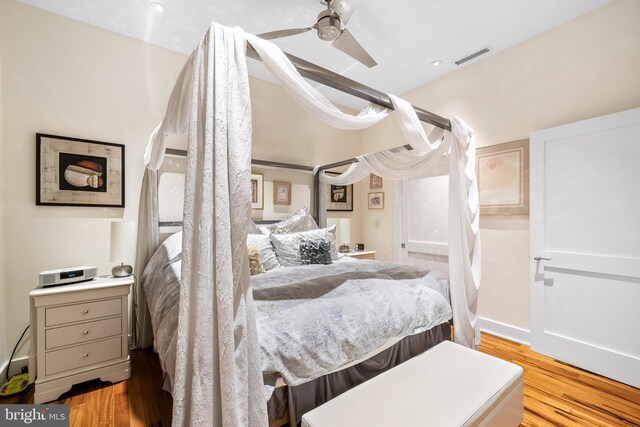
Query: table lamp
(122, 247)
(343, 232)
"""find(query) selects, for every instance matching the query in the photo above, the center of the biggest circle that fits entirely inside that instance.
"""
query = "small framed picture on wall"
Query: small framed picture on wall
(340, 198)
(257, 191)
(376, 200)
(375, 181)
(281, 193)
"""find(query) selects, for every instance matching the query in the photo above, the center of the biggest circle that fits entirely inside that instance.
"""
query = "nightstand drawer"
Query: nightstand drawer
(83, 332)
(85, 311)
(82, 355)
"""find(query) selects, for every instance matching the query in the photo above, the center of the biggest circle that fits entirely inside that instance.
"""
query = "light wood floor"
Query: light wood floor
(555, 394)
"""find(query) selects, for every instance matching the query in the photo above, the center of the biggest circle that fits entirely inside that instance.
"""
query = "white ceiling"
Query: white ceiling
(403, 36)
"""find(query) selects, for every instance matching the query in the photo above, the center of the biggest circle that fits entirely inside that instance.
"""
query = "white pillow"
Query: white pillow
(267, 255)
(295, 223)
(287, 246)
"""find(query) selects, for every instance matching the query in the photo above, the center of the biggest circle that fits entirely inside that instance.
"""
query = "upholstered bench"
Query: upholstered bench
(448, 385)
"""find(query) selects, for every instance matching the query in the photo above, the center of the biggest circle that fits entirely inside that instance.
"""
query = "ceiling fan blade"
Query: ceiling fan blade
(344, 8)
(349, 45)
(283, 33)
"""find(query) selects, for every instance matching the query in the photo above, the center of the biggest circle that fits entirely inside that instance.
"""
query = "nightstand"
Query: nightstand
(78, 333)
(361, 254)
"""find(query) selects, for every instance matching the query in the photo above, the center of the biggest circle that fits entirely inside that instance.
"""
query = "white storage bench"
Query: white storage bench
(448, 385)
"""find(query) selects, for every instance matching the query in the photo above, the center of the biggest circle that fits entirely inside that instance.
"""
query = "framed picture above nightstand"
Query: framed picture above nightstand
(79, 333)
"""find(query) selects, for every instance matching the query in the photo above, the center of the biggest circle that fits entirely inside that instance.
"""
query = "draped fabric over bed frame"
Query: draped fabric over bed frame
(218, 379)
(464, 213)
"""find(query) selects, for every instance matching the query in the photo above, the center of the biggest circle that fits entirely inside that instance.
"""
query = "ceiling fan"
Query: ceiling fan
(329, 27)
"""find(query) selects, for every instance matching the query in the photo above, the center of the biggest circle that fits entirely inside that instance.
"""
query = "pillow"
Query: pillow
(173, 247)
(299, 221)
(253, 228)
(255, 264)
(315, 251)
(287, 246)
(267, 255)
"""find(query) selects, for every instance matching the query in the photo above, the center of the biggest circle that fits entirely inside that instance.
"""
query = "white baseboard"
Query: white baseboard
(16, 367)
(504, 330)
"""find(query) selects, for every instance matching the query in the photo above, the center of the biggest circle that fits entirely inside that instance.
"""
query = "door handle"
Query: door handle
(539, 258)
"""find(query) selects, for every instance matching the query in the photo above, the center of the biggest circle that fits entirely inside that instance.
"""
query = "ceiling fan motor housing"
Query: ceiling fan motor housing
(328, 25)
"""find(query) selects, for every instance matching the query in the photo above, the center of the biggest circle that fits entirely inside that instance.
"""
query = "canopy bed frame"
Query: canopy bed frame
(254, 162)
(336, 81)
(217, 368)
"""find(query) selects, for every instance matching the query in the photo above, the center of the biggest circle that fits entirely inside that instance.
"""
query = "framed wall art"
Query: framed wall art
(375, 181)
(78, 172)
(376, 200)
(503, 178)
(340, 198)
(257, 191)
(281, 193)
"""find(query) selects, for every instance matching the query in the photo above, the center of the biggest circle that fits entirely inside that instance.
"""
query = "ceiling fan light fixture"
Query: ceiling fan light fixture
(328, 25)
(158, 7)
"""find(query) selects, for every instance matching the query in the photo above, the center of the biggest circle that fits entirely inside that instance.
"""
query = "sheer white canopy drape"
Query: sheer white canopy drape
(464, 213)
(218, 379)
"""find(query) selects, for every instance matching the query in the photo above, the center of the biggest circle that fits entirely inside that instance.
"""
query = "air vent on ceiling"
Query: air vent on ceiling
(473, 55)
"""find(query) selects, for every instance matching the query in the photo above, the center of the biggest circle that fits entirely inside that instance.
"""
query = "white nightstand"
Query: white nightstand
(361, 254)
(79, 333)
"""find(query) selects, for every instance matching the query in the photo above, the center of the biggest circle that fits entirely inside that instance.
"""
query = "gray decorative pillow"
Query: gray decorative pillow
(298, 222)
(287, 246)
(315, 251)
(267, 254)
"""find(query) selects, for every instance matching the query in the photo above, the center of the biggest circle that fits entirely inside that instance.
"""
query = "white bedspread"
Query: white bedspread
(312, 319)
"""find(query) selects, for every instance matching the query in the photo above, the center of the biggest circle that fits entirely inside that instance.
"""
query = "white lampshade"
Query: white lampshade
(123, 239)
(343, 229)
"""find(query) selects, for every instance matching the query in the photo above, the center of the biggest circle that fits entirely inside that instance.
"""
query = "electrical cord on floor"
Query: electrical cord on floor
(6, 374)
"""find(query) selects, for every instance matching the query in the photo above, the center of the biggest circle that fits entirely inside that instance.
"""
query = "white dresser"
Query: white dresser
(79, 333)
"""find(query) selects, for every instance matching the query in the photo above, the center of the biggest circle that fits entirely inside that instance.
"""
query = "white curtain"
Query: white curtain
(464, 214)
(306, 96)
(147, 243)
(464, 239)
(218, 379)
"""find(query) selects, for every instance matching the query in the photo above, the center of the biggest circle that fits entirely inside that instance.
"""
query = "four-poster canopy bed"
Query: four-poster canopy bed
(217, 375)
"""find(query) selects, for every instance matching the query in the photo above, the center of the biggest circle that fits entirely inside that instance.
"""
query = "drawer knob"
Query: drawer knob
(85, 332)
(85, 355)
(85, 311)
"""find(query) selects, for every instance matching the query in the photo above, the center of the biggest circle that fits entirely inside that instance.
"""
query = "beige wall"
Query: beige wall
(67, 78)
(586, 68)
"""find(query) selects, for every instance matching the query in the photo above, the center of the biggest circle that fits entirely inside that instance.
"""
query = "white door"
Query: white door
(421, 235)
(585, 244)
